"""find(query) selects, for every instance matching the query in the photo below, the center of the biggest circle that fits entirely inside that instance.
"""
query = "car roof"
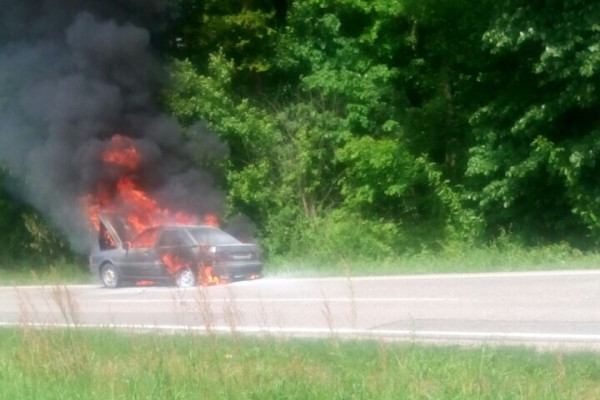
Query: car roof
(162, 227)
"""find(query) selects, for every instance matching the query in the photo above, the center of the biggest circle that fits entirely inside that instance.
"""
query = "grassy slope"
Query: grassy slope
(487, 259)
(34, 274)
(74, 364)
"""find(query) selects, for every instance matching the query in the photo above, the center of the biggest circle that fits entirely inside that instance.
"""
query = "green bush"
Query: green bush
(342, 235)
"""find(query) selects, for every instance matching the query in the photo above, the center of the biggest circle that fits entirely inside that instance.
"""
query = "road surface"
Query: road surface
(541, 309)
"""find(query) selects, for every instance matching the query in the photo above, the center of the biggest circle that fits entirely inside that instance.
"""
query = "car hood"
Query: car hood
(116, 227)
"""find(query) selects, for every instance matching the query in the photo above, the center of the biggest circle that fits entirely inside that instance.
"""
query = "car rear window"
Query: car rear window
(213, 237)
(171, 238)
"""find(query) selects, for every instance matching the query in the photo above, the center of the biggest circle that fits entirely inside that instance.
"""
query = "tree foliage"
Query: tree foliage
(345, 123)
(25, 233)
(535, 161)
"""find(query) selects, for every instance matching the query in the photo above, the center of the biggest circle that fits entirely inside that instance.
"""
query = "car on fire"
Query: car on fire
(182, 254)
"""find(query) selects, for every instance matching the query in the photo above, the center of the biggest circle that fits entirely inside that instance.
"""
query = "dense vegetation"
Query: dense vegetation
(385, 127)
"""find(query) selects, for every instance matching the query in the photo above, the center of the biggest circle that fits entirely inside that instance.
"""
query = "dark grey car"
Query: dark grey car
(184, 255)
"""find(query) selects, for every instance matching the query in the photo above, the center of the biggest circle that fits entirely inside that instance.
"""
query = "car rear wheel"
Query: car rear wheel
(110, 276)
(185, 278)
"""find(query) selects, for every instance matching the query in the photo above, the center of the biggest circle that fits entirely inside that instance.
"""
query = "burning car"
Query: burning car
(182, 254)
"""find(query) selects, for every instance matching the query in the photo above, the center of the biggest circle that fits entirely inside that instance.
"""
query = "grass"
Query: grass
(494, 258)
(38, 273)
(79, 364)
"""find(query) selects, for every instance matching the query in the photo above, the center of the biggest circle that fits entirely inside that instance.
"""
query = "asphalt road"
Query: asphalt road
(541, 309)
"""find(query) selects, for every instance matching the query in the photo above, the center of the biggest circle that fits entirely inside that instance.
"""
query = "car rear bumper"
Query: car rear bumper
(237, 270)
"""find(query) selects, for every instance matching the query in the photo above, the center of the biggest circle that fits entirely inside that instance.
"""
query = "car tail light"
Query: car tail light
(218, 255)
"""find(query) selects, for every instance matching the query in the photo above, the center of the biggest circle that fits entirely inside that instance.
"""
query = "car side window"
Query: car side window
(170, 238)
(201, 236)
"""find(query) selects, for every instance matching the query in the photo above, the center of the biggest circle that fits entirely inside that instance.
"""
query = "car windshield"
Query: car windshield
(212, 236)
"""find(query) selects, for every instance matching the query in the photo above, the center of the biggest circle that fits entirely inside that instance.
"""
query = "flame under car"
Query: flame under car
(183, 255)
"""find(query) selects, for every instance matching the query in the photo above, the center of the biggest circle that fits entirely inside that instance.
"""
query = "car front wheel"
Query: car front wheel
(185, 278)
(110, 276)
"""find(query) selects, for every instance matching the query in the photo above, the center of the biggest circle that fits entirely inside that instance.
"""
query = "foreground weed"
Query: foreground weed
(203, 305)
(66, 303)
(327, 313)
(27, 309)
(353, 317)
(232, 314)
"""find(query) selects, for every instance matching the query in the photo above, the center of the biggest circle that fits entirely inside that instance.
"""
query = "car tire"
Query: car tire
(185, 278)
(110, 276)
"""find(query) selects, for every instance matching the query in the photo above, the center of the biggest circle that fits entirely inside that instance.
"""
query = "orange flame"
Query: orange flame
(140, 210)
(126, 198)
(207, 277)
(122, 153)
(173, 263)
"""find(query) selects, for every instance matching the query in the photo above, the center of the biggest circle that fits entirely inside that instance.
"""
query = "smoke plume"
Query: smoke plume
(72, 75)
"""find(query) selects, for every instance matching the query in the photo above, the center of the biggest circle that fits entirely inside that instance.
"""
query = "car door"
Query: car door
(175, 250)
(141, 259)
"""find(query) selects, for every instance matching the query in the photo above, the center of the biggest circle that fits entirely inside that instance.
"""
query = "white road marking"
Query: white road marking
(277, 280)
(346, 332)
(48, 286)
(471, 275)
(288, 300)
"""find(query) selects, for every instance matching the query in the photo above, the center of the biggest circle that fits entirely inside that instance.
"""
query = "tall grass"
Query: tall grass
(451, 259)
(29, 272)
(342, 244)
(76, 364)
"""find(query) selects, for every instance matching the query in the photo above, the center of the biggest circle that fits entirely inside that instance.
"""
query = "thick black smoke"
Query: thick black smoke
(72, 75)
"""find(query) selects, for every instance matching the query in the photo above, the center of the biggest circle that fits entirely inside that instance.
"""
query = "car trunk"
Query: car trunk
(236, 260)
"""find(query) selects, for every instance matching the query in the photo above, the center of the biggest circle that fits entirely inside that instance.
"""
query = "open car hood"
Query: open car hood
(116, 227)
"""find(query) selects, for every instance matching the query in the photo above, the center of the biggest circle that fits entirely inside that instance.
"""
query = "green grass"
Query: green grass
(507, 257)
(78, 364)
(39, 273)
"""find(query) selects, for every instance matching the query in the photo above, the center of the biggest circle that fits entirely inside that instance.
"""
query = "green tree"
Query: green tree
(242, 31)
(535, 166)
(26, 234)
(14, 234)
(440, 78)
(395, 88)
(348, 123)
